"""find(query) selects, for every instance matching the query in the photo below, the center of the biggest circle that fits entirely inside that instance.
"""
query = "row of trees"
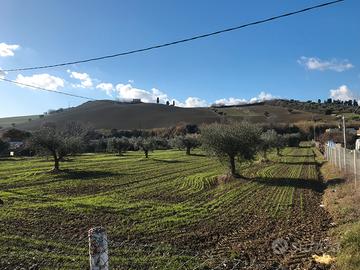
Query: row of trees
(229, 142)
(242, 142)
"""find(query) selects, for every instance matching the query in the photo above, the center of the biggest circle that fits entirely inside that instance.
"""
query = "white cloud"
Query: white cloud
(107, 87)
(343, 93)
(230, 101)
(194, 102)
(41, 80)
(240, 101)
(84, 78)
(314, 63)
(128, 92)
(8, 49)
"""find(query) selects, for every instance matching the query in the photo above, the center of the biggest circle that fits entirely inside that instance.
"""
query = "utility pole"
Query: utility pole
(344, 131)
(314, 127)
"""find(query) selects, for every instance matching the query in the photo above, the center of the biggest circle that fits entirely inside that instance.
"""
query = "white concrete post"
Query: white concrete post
(339, 157)
(336, 157)
(355, 170)
(98, 249)
(344, 159)
(331, 156)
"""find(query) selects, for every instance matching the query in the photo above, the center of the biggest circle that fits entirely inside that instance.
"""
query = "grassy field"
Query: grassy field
(170, 211)
(9, 121)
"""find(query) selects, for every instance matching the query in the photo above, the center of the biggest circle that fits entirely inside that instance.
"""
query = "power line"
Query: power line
(48, 90)
(178, 41)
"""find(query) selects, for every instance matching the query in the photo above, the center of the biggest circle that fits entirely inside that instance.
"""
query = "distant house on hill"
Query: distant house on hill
(136, 100)
(15, 145)
(352, 131)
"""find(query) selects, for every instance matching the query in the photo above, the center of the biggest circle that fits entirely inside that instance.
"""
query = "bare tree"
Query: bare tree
(59, 141)
(230, 141)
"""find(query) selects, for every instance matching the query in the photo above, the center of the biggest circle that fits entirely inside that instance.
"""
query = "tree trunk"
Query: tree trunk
(188, 150)
(232, 165)
(56, 163)
(265, 155)
(278, 151)
(146, 153)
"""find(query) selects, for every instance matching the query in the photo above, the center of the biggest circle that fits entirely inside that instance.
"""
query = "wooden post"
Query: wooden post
(98, 249)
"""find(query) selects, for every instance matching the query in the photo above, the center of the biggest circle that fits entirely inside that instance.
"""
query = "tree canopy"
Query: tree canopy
(119, 145)
(188, 142)
(59, 141)
(230, 141)
(268, 141)
(145, 144)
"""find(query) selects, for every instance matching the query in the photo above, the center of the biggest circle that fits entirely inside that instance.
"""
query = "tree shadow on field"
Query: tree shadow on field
(12, 159)
(335, 181)
(86, 175)
(62, 175)
(315, 185)
(311, 155)
(197, 155)
(169, 160)
(299, 163)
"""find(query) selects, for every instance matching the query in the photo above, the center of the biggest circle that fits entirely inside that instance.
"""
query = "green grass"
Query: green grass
(348, 258)
(164, 212)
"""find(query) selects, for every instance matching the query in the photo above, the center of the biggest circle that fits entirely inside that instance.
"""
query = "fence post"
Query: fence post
(355, 170)
(331, 155)
(326, 153)
(98, 249)
(344, 159)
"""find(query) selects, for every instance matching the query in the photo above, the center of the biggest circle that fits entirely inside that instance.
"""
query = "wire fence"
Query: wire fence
(346, 160)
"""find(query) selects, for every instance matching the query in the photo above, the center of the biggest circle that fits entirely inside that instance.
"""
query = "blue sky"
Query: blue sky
(301, 57)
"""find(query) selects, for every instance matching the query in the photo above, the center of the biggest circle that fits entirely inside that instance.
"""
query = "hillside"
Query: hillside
(17, 120)
(106, 114)
(269, 113)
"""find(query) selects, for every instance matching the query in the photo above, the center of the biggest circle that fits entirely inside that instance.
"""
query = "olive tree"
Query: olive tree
(188, 142)
(145, 144)
(268, 141)
(280, 143)
(230, 141)
(293, 139)
(3, 146)
(119, 145)
(59, 142)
